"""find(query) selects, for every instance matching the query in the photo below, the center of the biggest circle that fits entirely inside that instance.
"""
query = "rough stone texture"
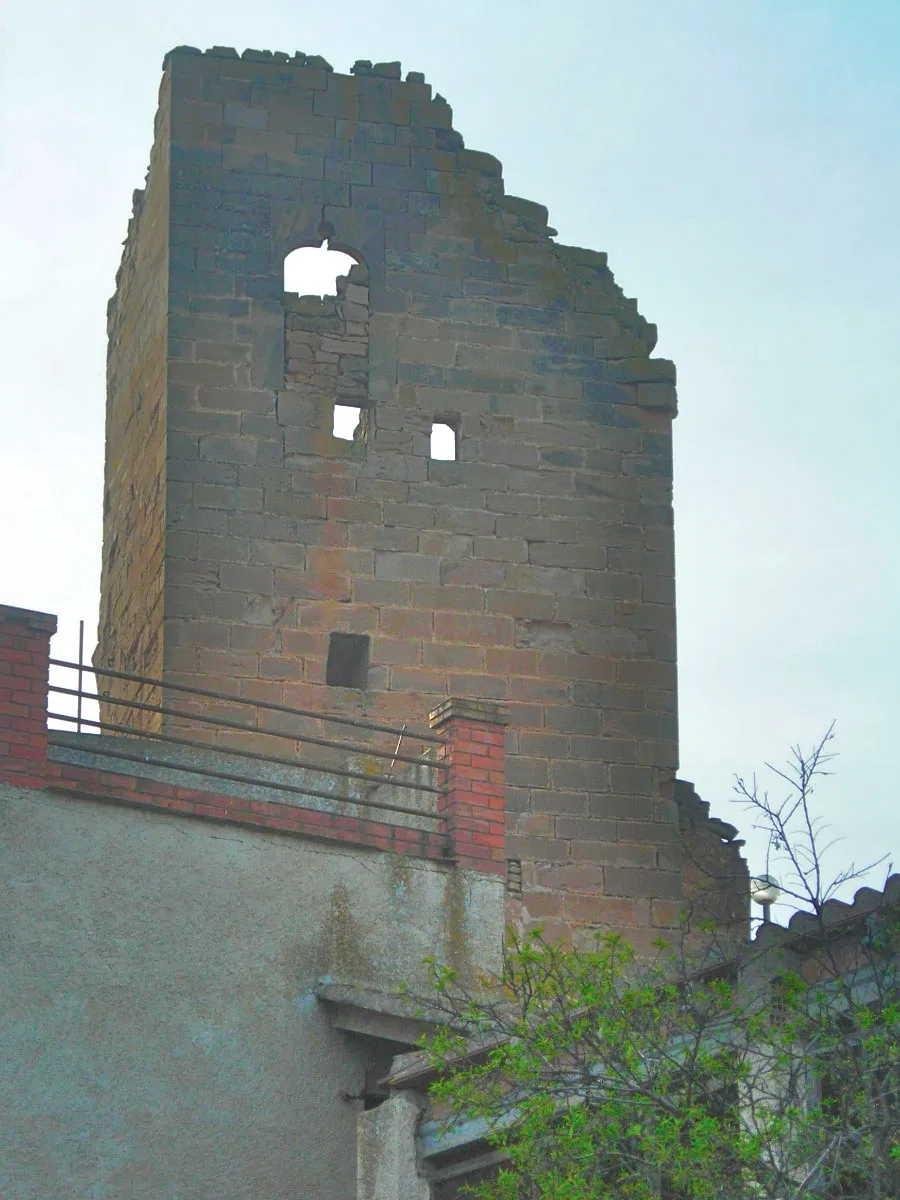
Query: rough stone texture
(536, 570)
(134, 500)
(326, 361)
(716, 877)
(160, 1030)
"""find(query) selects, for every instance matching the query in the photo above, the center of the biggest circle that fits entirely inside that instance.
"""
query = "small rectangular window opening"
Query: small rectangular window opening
(348, 660)
(444, 439)
(346, 422)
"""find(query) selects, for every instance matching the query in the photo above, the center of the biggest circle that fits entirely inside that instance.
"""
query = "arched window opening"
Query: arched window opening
(315, 270)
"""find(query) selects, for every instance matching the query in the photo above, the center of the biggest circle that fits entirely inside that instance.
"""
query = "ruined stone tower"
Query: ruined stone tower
(247, 549)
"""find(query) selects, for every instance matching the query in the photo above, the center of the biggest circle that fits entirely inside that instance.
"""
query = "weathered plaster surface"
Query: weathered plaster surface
(387, 1152)
(161, 1036)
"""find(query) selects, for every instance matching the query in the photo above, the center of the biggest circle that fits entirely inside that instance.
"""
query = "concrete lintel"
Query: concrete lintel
(373, 1013)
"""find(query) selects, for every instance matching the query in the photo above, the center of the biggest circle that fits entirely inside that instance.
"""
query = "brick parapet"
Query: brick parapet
(473, 801)
(140, 792)
(469, 832)
(24, 680)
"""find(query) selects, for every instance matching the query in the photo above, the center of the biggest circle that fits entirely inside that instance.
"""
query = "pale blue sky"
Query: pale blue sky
(739, 161)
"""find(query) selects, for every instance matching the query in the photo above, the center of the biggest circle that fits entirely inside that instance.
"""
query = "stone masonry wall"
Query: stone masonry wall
(326, 360)
(715, 875)
(536, 570)
(134, 517)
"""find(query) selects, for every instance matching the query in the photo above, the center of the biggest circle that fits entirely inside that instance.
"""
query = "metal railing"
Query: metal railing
(357, 760)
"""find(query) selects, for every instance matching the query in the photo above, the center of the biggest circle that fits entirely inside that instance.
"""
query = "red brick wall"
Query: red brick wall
(24, 675)
(474, 802)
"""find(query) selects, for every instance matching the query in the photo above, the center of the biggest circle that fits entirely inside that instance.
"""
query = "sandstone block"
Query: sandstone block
(411, 568)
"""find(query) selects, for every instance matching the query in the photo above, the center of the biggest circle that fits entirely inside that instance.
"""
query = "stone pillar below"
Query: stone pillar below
(386, 1152)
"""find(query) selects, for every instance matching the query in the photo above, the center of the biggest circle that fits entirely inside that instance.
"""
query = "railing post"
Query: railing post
(473, 804)
(24, 681)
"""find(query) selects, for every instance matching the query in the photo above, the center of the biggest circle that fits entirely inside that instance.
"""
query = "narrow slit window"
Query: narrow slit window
(347, 422)
(348, 660)
(444, 441)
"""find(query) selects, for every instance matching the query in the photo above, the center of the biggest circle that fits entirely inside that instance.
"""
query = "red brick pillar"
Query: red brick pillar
(24, 675)
(473, 803)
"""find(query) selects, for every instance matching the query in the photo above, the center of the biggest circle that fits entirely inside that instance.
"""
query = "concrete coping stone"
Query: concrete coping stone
(364, 996)
(486, 712)
(40, 622)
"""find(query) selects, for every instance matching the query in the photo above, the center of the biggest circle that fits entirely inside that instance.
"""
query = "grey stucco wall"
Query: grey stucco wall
(160, 1036)
(387, 1152)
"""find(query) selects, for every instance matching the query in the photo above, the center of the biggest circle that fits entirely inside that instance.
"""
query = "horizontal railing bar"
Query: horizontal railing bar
(298, 763)
(224, 723)
(420, 735)
(281, 787)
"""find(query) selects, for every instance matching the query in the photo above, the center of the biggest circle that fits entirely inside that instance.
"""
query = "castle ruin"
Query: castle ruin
(248, 548)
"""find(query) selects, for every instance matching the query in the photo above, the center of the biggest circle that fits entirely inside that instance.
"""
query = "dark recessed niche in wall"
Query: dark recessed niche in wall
(348, 660)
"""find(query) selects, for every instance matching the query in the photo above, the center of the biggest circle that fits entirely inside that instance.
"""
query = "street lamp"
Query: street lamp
(765, 890)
